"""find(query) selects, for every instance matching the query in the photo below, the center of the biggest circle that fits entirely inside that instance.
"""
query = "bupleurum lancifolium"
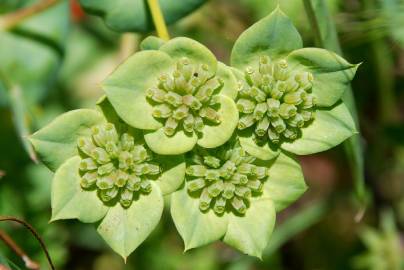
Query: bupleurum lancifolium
(238, 127)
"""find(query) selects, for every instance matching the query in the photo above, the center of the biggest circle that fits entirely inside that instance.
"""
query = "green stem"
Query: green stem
(158, 19)
(11, 20)
(326, 36)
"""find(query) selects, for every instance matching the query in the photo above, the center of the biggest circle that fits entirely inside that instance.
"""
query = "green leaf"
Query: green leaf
(230, 81)
(216, 135)
(151, 43)
(329, 128)
(134, 15)
(285, 183)
(196, 228)
(181, 47)
(177, 144)
(125, 229)
(332, 73)
(126, 87)
(273, 35)
(56, 142)
(69, 200)
(250, 233)
(173, 173)
(264, 152)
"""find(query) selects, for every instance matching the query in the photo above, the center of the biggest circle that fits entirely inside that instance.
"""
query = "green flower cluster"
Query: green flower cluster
(114, 165)
(224, 180)
(219, 139)
(276, 100)
(186, 98)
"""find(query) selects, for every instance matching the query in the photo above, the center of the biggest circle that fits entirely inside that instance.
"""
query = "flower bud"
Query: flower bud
(87, 164)
(239, 205)
(112, 149)
(196, 184)
(170, 126)
(273, 107)
(204, 200)
(196, 170)
(86, 145)
(105, 169)
(246, 121)
(305, 80)
(166, 83)
(309, 101)
(212, 175)
(127, 142)
(220, 205)
(261, 172)
(126, 198)
(307, 115)
(214, 100)
(198, 124)
(216, 188)
(290, 133)
(228, 169)
(156, 94)
(239, 178)
(293, 98)
(191, 102)
(146, 186)
(211, 161)
(237, 155)
(287, 110)
(257, 94)
(100, 155)
(180, 83)
(281, 70)
(88, 179)
(265, 65)
(273, 135)
(248, 74)
(260, 110)
(99, 137)
(245, 105)
(255, 185)
(210, 114)
(204, 93)
(139, 153)
(262, 127)
(228, 190)
(278, 124)
(173, 99)
(188, 123)
(108, 194)
(106, 181)
(243, 192)
(181, 112)
(121, 178)
(125, 160)
(296, 121)
(162, 111)
(133, 183)
(245, 168)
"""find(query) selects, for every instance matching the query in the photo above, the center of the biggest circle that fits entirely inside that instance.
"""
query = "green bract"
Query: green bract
(104, 171)
(233, 196)
(289, 96)
(177, 93)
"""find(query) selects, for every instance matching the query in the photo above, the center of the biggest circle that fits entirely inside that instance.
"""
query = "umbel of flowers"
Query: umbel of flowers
(276, 101)
(115, 166)
(237, 126)
(224, 179)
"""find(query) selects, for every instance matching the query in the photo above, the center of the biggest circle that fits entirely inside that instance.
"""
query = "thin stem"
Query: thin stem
(29, 263)
(158, 19)
(11, 20)
(313, 22)
(34, 233)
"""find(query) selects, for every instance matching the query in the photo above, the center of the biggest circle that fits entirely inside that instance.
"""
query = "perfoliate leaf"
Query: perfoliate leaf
(69, 200)
(264, 151)
(285, 183)
(216, 135)
(151, 43)
(196, 228)
(251, 233)
(330, 128)
(134, 15)
(274, 36)
(127, 85)
(125, 229)
(230, 81)
(57, 141)
(332, 73)
(162, 144)
(173, 173)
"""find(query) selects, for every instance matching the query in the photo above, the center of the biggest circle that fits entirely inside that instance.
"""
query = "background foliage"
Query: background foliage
(48, 70)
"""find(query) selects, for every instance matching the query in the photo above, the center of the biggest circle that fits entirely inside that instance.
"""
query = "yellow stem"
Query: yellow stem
(158, 19)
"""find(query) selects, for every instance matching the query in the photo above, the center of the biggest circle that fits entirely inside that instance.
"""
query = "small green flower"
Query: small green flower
(289, 97)
(105, 172)
(177, 93)
(384, 250)
(233, 196)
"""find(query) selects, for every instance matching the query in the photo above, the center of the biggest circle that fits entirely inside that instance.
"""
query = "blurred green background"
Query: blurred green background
(54, 61)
